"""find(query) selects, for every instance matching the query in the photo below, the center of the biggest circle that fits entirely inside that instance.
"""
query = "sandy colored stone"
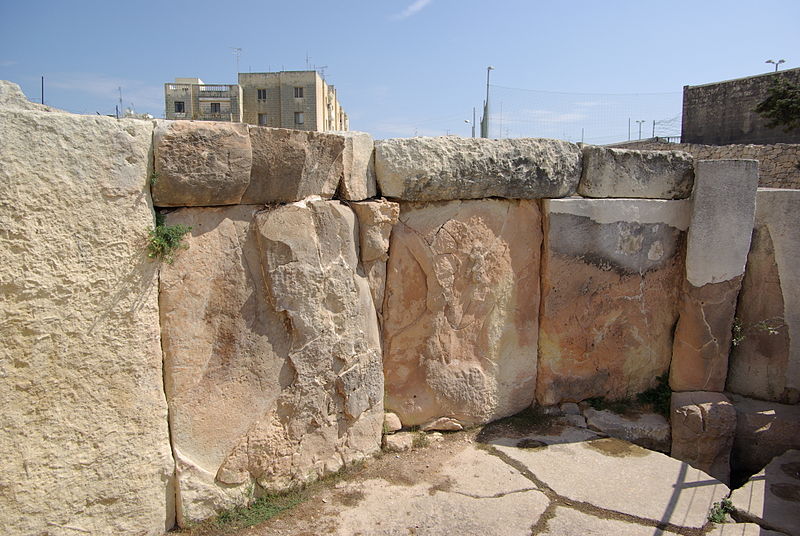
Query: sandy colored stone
(766, 363)
(391, 423)
(648, 430)
(358, 159)
(477, 473)
(611, 270)
(290, 165)
(611, 172)
(12, 98)
(623, 477)
(200, 163)
(84, 442)
(569, 522)
(703, 425)
(703, 336)
(741, 529)
(763, 430)
(460, 313)
(451, 167)
(398, 442)
(771, 497)
(443, 424)
(272, 353)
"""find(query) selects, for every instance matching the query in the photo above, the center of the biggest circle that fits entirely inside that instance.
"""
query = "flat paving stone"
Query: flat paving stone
(561, 435)
(772, 497)
(616, 475)
(477, 473)
(569, 522)
(741, 529)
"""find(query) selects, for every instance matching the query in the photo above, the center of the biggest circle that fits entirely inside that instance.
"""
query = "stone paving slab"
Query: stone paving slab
(616, 475)
(569, 522)
(477, 473)
(566, 434)
(741, 529)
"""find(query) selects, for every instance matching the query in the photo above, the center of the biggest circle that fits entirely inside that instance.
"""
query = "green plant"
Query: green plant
(658, 397)
(165, 240)
(420, 440)
(154, 176)
(621, 405)
(720, 510)
(739, 330)
(782, 106)
(261, 510)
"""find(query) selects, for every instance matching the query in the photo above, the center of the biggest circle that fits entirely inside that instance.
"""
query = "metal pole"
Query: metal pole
(473, 121)
(485, 122)
(654, 128)
(42, 89)
(629, 129)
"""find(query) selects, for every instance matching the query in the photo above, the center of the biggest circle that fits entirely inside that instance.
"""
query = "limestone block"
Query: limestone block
(272, 353)
(200, 163)
(447, 168)
(763, 430)
(648, 430)
(375, 222)
(290, 165)
(12, 98)
(358, 179)
(723, 208)
(703, 425)
(766, 363)
(460, 314)
(391, 423)
(610, 273)
(771, 497)
(398, 442)
(640, 174)
(84, 443)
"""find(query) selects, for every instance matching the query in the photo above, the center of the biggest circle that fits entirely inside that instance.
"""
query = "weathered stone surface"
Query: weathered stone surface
(723, 208)
(640, 174)
(448, 168)
(12, 98)
(443, 424)
(741, 529)
(610, 276)
(200, 163)
(766, 363)
(290, 165)
(601, 472)
(272, 379)
(358, 160)
(703, 424)
(398, 442)
(84, 442)
(460, 314)
(569, 522)
(391, 423)
(556, 435)
(771, 498)
(375, 222)
(763, 430)
(647, 430)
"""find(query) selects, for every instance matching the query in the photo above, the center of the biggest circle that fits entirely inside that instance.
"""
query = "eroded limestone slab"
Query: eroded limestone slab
(460, 313)
(703, 425)
(763, 430)
(623, 477)
(450, 167)
(723, 208)
(272, 354)
(358, 159)
(624, 173)
(200, 163)
(84, 442)
(610, 274)
(570, 522)
(766, 363)
(648, 430)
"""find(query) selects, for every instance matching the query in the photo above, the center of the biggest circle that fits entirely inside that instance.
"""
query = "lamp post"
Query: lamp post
(485, 121)
(776, 63)
(641, 121)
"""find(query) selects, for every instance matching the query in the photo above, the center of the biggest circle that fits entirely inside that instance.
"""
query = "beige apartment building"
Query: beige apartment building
(287, 99)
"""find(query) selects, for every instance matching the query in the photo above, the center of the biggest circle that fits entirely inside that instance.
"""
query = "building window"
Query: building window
(262, 119)
(298, 118)
(262, 94)
(214, 107)
(298, 93)
(179, 107)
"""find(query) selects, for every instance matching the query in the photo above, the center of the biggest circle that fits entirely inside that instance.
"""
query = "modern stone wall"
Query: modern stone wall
(778, 164)
(304, 305)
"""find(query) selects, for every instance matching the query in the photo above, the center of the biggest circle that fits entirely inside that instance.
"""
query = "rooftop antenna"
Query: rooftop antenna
(236, 53)
(120, 100)
(322, 71)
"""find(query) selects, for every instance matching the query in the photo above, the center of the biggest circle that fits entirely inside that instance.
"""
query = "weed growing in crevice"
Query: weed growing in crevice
(719, 512)
(658, 397)
(740, 331)
(420, 440)
(165, 240)
(154, 176)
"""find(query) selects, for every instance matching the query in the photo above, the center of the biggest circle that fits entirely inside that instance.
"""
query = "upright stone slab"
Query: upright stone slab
(84, 443)
(763, 430)
(766, 362)
(460, 313)
(644, 174)
(272, 353)
(723, 208)
(610, 273)
(358, 162)
(200, 163)
(451, 167)
(703, 425)
(290, 165)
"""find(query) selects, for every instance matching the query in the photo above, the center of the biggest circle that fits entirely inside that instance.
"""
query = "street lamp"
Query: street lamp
(485, 121)
(641, 121)
(776, 63)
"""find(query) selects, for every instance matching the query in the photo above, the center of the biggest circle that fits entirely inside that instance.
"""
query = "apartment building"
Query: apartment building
(287, 99)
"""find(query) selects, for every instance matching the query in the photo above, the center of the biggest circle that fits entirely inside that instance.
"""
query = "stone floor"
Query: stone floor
(559, 481)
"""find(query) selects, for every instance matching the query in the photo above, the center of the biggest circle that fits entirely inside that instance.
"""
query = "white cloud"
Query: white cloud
(7, 63)
(413, 9)
(143, 96)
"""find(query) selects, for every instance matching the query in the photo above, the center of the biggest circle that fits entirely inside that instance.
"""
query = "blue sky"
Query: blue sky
(406, 67)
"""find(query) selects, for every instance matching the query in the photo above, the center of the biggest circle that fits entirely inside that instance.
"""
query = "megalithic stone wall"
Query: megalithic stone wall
(723, 208)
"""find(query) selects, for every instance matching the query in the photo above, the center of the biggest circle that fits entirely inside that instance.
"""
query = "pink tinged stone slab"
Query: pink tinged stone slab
(703, 425)
(766, 363)
(771, 497)
(723, 208)
(763, 430)
(616, 475)
(610, 276)
(460, 313)
(201, 163)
